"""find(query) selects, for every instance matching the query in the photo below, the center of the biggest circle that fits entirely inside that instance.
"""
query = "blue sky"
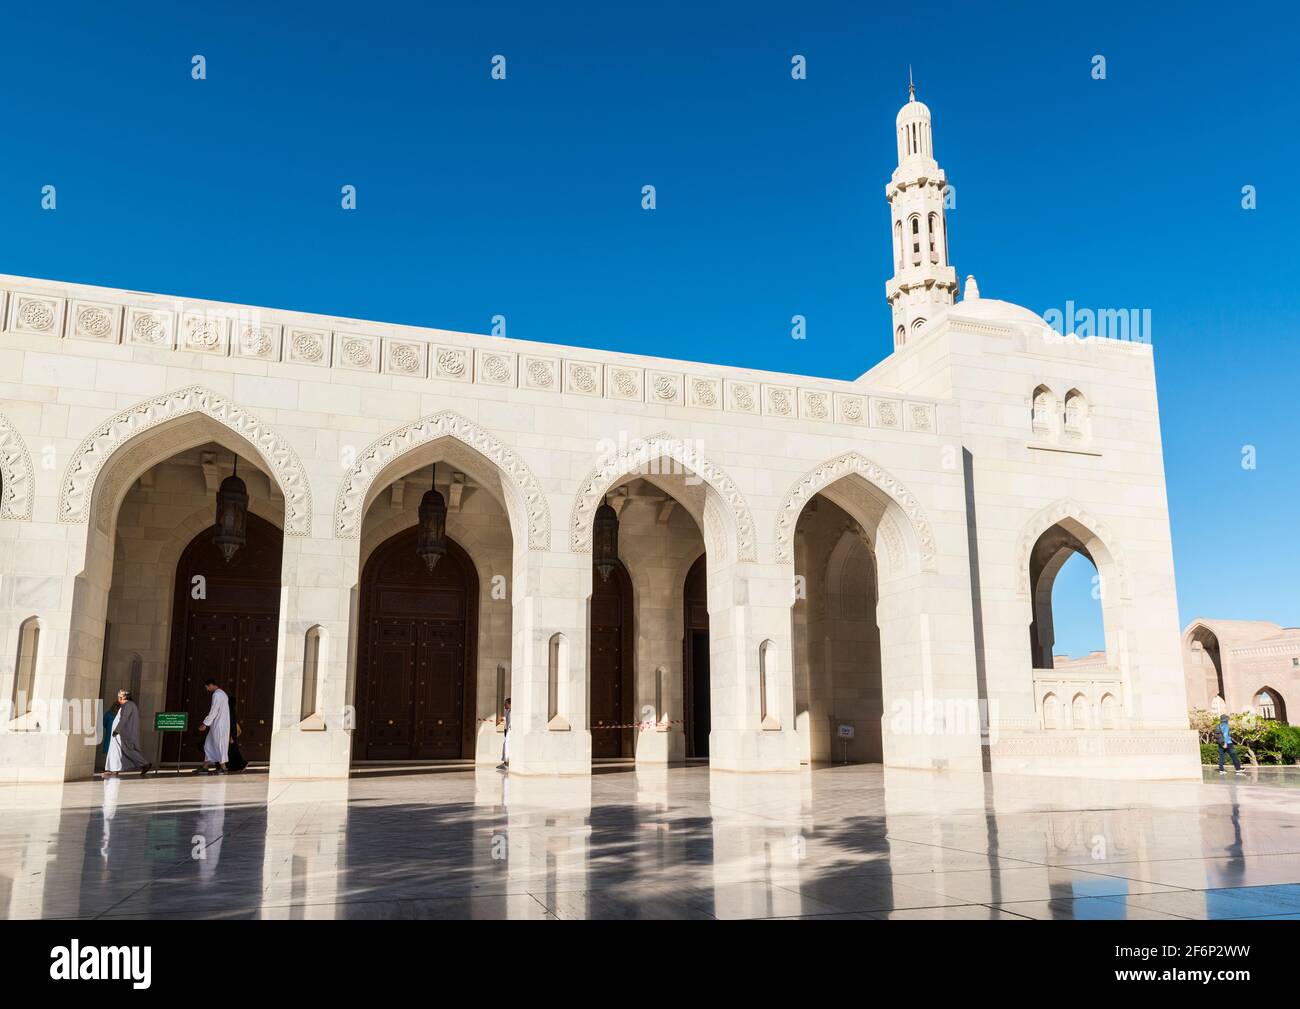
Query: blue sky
(522, 197)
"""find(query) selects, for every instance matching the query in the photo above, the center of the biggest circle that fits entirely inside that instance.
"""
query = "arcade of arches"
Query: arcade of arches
(424, 659)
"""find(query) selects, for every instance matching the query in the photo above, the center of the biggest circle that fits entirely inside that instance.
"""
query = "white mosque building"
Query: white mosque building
(657, 560)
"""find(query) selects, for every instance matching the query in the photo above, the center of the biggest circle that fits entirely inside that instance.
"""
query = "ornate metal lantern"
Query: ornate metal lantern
(604, 536)
(432, 542)
(232, 514)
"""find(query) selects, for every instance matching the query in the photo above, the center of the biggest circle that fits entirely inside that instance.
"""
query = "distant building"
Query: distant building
(1241, 665)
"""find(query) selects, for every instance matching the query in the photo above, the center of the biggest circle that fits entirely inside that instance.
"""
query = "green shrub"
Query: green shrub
(1209, 753)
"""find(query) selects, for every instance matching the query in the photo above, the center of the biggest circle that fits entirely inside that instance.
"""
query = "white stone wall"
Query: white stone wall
(98, 386)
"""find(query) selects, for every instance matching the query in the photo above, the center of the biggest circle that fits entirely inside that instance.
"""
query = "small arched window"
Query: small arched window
(557, 682)
(917, 325)
(916, 240)
(310, 672)
(1043, 410)
(29, 641)
(1264, 705)
(900, 336)
(767, 685)
(898, 242)
(1109, 711)
(1076, 414)
(1051, 712)
(933, 231)
(1079, 712)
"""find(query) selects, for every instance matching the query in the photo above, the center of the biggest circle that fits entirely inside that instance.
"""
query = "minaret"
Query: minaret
(923, 282)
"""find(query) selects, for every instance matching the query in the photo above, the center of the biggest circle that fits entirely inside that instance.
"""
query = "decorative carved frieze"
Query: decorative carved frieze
(582, 378)
(36, 315)
(356, 352)
(149, 327)
(451, 364)
(664, 387)
(404, 358)
(307, 346)
(742, 397)
(94, 321)
(260, 340)
(202, 333)
(624, 382)
(539, 373)
(496, 367)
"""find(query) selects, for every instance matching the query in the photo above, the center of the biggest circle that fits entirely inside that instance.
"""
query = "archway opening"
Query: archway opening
(839, 687)
(1268, 703)
(177, 613)
(1206, 656)
(431, 652)
(1059, 558)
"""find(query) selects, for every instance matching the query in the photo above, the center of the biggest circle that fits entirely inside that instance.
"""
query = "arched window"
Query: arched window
(29, 640)
(1076, 414)
(1218, 706)
(1043, 410)
(1079, 712)
(917, 325)
(1109, 711)
(898, 243)
(916, 240)
(310, 672)
(1051, 712)
(933, 231)
(557, 683)
(767, 685)
(900, 337)
(1269, 704)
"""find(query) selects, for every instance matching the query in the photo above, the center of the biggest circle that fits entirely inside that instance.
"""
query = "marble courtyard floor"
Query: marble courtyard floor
(455, 842)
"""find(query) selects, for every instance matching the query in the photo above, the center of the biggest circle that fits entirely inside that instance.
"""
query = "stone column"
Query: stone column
(549, 731)
(749, 604)
(317, 585)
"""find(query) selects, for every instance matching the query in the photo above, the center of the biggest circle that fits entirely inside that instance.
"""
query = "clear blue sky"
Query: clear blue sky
(478, 197)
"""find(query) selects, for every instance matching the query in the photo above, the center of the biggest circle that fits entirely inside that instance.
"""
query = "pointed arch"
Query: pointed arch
(726, 504)
(812, 482)
(80, 482)
(525, 500)
(1101, 544)
(17, 477)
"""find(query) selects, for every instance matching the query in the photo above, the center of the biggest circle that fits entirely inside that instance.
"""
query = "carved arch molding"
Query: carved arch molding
(17, 477)
(82, 473)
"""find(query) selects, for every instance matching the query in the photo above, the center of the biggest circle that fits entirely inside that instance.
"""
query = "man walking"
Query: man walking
(124, 742)
(216, 748)
(505, 743)
(1226, 745)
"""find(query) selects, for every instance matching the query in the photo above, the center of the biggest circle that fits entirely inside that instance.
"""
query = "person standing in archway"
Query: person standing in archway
(216, 747)
(1226, 745)
(505, 743)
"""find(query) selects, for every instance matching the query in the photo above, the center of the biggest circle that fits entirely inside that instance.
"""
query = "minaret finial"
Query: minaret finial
(911, 88)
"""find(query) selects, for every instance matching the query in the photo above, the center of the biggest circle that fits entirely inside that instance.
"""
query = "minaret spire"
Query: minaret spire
(924, 282)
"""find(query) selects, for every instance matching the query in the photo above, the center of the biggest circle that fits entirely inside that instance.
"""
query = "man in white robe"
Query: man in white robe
(124, 752)
(216, 747)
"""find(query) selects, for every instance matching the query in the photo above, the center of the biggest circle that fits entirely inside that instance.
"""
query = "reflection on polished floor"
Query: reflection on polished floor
(850, 842)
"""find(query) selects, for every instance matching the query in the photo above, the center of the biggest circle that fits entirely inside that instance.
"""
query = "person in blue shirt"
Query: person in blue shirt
(1226, 745)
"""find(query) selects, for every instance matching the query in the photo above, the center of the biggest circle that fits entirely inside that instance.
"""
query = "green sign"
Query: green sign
(171, 721)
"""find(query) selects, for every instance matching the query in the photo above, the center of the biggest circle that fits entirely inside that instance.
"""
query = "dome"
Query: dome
(993, 310)
(913, 110)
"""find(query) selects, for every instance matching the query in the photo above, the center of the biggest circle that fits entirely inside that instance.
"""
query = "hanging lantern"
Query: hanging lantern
(604, 535)
(432, 542)
(232, 514)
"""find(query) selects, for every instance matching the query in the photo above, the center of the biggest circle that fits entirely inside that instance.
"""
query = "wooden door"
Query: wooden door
(415, 664)
(225, 625)
(695, 660)
(610, 677)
